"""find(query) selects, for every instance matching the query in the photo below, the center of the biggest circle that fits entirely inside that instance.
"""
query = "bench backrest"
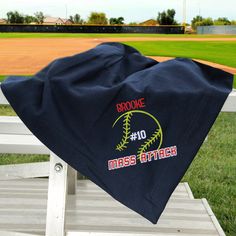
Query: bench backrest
(3, 100)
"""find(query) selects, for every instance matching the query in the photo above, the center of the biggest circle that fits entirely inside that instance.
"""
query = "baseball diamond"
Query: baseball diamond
(25, 54)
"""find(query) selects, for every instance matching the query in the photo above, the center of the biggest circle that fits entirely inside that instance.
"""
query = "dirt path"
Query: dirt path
(222, 67)
(164, 39)
(27, 56)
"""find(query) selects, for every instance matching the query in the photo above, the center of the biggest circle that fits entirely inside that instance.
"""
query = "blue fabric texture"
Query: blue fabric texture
(130, 124)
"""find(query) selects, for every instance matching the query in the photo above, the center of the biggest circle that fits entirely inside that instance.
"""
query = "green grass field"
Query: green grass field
(94, 35)
(214, 51)
(212, 175)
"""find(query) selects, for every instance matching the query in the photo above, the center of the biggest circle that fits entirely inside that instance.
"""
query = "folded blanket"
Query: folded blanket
(130, 124)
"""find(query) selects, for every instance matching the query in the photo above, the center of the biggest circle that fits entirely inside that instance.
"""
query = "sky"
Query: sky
(131, 10)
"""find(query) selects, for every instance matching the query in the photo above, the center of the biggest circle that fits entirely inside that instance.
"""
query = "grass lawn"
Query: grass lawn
(215, 51)
(2, 77)
(21, 158)
(110, 35)
(212, 175)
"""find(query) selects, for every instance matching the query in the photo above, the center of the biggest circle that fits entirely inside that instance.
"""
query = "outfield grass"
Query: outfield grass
(101, 35)
(2, 77)
(214, 51)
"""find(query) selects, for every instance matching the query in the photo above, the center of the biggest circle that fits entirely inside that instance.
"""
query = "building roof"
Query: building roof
(3, 21)
(56, 20)
(149, 22)
(66, 20)
(50, 19)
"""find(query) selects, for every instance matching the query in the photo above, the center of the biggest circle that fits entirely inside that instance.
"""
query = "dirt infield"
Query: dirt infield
(29, 55)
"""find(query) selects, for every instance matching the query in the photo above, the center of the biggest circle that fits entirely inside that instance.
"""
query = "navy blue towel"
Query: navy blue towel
(130, 124)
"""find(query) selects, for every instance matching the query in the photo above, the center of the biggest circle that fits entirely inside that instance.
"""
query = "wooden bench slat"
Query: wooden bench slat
(84, 187)
(9, 209)
(115, 205)
(3, 100)
(83, 195)
(22, 144)
(12, 125)
(124, 221)
(7, 233)
(179, 233)
(21, 212)
(116, 230)
(19, 171)
(85, 213)
(230, 103)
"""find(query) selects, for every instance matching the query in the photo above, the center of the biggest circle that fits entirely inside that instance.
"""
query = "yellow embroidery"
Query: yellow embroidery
(157, 135)
(149, 142)
(126, 132)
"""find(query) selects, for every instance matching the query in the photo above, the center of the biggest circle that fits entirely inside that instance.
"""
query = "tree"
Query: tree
(39, 17)
(15, 17)
(28, 19)
(222, 21)
(233, 22)
(200, 21)
(166, 17)
(116, 21)
(98, 18)
(133, 23)
(196, 19)
(112, 21)
(205, 22)
(76, 19)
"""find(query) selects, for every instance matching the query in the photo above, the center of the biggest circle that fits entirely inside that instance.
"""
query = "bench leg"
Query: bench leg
(57, 193)
(72, 180)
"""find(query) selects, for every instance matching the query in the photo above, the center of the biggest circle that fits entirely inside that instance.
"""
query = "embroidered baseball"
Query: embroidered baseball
(128, 135)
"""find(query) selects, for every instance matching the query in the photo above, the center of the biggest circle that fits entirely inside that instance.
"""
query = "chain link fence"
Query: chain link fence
(217, 29)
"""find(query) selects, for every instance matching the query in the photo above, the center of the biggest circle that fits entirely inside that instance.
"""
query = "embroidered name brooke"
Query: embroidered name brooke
(144, 158)
(130, 105)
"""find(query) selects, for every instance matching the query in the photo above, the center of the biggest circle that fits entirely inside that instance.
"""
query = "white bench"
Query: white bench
(62, 178)
(16, 138)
